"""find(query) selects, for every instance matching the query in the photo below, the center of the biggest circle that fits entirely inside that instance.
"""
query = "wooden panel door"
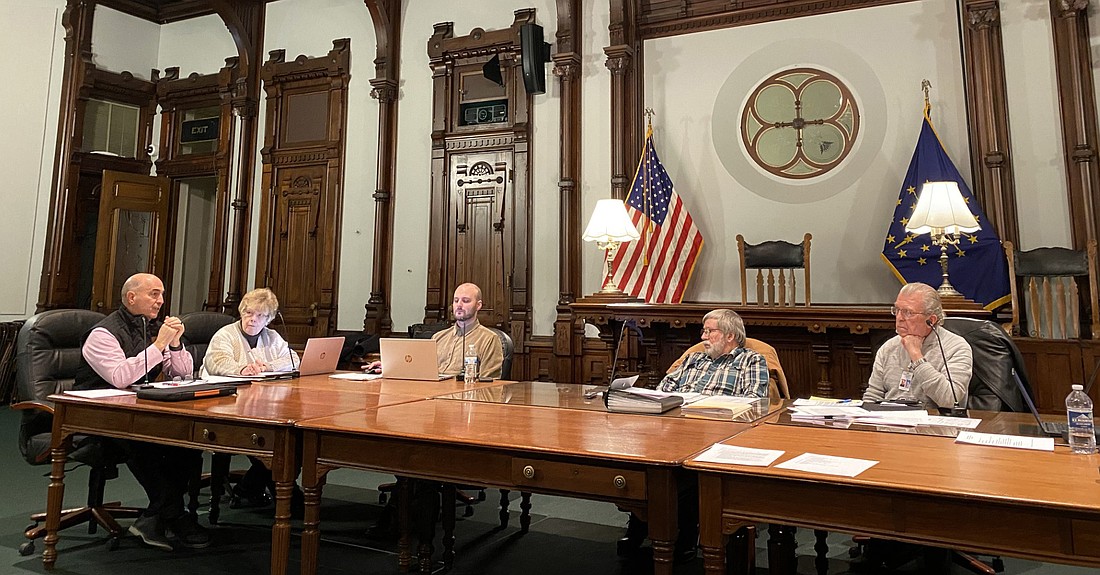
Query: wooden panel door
(132, 236)
(480, 185)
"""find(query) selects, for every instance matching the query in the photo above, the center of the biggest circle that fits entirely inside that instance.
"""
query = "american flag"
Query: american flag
(658, 266)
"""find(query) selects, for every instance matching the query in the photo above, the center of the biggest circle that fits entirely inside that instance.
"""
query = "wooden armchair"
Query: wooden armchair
(1047, 291)
(778, 261)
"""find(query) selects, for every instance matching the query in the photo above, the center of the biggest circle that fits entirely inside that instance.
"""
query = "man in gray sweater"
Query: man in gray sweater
(910, 365)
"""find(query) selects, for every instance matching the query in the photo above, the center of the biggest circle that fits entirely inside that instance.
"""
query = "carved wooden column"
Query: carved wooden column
(386, 15)
(1077, 99)
(990, 156)
(567, 69)
(77, 21)
(624, 60)
(245, 21)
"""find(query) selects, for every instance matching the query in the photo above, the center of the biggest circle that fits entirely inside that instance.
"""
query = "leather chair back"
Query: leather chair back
(46, 363)
(775, 263)
(198, 328)
(777, 380)
(509, 349)
(995, 356)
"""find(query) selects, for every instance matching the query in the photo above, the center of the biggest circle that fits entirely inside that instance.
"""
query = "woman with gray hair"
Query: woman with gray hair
(248, 347)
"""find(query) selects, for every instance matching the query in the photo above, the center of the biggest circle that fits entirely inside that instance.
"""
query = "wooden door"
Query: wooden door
(132, 235)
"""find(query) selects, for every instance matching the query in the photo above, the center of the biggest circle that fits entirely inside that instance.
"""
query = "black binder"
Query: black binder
(187, 392)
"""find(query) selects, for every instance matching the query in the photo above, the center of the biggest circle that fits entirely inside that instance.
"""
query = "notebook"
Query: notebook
(1051, 428)
(410, 359)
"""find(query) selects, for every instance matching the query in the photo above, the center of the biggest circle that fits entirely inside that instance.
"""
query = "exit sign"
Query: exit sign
(199, 130)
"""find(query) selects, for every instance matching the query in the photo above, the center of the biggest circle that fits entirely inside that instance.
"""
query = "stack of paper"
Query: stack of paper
(901, 416)
(641, 400)
(719, 406)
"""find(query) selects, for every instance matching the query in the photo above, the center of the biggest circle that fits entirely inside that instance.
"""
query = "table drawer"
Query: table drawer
(238, 436)
(595, 480)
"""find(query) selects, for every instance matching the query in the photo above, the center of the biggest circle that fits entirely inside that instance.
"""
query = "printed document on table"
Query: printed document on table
(719, 453)
(1013, 441)
(98, 393)
(814, 400)
(356, 376)
(829, 411)
(828, 464)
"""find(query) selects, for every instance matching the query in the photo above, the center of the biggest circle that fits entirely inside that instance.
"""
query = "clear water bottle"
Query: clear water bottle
(471, 365)
(1079, 413)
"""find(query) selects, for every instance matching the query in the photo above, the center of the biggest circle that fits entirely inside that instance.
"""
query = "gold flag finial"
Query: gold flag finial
(926, 86)
(648, 113)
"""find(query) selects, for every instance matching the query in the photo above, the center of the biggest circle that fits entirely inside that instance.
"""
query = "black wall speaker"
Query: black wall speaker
(534, 54)
(491, 71)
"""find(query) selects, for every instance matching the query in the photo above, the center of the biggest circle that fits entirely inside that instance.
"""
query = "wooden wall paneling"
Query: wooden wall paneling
(624, 60)
(176, 96)
(386, 16)
(1077, 100)
(568, 71)
(1052, 366)
(245, 22)
(303, 155)
(480, 205)
(55, 286)
(987, 105)
(662, 18)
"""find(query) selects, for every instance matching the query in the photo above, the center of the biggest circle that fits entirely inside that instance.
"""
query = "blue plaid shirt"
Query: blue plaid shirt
(740, 372)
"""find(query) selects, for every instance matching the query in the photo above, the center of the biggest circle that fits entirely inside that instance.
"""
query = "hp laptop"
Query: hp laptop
(320, 356)
(410, 359)
(1052, 428)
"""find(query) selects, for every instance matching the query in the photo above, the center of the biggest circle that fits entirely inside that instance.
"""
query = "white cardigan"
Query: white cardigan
(228, 352)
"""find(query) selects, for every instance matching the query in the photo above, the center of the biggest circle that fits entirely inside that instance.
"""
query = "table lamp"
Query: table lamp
(942, 212)
(609, 227)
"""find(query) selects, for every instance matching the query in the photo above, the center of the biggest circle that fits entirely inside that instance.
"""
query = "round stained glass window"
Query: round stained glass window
(800, 123)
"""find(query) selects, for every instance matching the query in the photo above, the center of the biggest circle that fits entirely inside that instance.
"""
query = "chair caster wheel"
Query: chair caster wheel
(382, 498)
(468, 512)
(112, 544)
(481, 495)
(998, 565)
(26, 548)
(855, 552)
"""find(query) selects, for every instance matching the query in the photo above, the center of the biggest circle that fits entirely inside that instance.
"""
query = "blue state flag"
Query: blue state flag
(976, 266)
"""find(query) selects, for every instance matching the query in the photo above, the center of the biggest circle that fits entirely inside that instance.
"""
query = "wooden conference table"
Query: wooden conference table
(258, 421)
(930, 490)
(531, 437)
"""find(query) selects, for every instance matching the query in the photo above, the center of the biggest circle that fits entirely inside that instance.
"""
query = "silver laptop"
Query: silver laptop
(321, 355)
(410, 359)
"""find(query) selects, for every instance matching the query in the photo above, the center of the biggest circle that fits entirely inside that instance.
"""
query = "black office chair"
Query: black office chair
(46, 363)
(198, 328)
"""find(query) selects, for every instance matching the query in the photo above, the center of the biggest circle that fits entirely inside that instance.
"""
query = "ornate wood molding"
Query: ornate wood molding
(1077, 100)
(624, 60)
(660, 18)
(987, 100)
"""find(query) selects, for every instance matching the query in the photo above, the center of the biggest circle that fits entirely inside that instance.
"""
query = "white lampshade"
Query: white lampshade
(610, 223)
(941, 209)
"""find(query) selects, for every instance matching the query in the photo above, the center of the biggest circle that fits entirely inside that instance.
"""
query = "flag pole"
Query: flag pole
(646, 187)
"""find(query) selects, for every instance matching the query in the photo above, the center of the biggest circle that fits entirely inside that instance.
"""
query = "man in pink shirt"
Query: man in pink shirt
(131, 346)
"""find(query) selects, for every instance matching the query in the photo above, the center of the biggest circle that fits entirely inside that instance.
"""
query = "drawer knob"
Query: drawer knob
(619, 481)
(257, 440)
(529, 472)
(209, 435)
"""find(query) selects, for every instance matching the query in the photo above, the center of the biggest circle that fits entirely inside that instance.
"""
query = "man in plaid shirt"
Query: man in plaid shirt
(726, 366)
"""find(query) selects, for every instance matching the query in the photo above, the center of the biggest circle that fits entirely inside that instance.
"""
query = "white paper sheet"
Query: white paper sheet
(829, 411)
(828, 401)
(356, 376)
(98, 393)
(719, 453)
(1013, 441)
(828, 464)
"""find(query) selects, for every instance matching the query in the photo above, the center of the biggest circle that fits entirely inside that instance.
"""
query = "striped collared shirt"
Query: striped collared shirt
(740, 372)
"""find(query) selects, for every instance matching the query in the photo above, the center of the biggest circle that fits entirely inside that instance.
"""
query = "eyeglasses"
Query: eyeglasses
(707, 331)
(257, 315)
(904, 313)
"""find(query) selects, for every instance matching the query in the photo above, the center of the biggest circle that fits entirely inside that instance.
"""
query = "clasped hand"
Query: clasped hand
(170, 333)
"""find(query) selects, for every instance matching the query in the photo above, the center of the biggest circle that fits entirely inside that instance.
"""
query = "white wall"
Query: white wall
(882, 54)
(32, 51)
(199, 45)
(124, 43)
(1035, 128)
(412, 201)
